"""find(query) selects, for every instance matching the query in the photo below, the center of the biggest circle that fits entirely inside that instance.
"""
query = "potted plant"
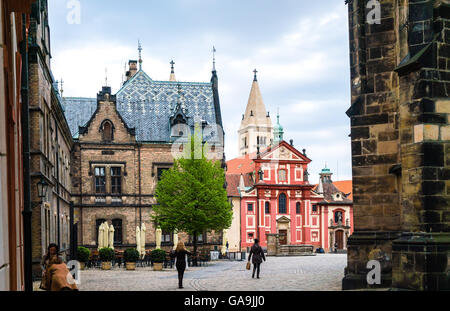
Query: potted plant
(158, 256)
(130, 257)
(83, 255)
(106, 256)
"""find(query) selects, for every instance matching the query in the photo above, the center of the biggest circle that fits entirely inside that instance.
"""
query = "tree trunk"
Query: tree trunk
(195, 250)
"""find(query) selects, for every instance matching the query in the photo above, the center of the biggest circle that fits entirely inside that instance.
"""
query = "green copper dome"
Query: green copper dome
(278, 131)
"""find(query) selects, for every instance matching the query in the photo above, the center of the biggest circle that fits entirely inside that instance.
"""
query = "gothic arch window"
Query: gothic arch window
(282, 204)
(107, 129)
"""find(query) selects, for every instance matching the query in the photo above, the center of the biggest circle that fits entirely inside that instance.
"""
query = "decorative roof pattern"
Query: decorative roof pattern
(78, 111)
(147, 106)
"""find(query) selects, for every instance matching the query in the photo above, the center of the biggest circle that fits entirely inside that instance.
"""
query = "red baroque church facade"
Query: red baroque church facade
(274, 195)
(277, 198)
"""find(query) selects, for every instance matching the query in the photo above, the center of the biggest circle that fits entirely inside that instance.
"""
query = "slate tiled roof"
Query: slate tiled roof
(147, 105)
(78, 111)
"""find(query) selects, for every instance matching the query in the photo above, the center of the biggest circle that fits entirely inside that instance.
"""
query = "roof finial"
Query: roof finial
(62, 87)
(172, 72)
(255, 72)
(106, 76)
(214, 58)
(172, 63)
(140, 54)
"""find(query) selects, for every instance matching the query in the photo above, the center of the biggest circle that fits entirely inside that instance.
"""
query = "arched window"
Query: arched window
(267, 207)
(338, 217)
(282, 204)
(117, 224)
(297, 208)
(107, 130)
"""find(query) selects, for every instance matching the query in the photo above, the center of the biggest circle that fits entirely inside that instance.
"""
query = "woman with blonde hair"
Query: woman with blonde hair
(180, 254)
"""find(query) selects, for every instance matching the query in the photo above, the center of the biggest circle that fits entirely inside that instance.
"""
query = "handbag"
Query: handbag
(248, 265)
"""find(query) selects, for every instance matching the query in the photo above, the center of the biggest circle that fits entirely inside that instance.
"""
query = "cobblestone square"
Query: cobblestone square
(323, 272)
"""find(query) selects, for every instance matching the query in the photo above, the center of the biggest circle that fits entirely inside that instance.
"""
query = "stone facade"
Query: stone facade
(50, 144)
(140, 164)
(399, 119)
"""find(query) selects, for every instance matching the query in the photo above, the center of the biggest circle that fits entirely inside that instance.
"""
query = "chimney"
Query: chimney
(292, 142)
(132, 70)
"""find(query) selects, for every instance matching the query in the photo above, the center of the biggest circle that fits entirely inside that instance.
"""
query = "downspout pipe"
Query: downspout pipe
(27, 209)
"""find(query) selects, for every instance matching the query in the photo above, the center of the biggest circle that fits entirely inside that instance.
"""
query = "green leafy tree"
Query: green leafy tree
(191, 195)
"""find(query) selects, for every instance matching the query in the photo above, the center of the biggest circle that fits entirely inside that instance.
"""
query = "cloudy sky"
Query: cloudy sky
(299, 47)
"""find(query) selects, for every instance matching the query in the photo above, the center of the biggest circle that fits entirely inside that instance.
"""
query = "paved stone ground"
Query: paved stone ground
(323, 272)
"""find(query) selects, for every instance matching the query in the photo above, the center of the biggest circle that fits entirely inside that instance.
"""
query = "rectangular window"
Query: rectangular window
(160, 172)
(116, 180)
(250, 207)
(166, 237)
(282, 175)
(100, 180)
(117, 224)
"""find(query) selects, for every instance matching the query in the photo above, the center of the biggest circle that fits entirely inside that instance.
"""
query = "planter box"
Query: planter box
(106, 265)
(130, 265)
(157, 266)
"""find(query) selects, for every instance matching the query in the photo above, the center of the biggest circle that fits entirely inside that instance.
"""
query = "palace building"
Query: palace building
(273, 194)
(124, 142)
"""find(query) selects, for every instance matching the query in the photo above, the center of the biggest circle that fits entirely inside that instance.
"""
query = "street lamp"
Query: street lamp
(42, 186)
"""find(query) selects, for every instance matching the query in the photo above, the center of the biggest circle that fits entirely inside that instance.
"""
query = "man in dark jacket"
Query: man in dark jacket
(258, 255)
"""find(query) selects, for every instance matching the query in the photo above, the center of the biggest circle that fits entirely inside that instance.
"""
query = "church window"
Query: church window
(250, 207)
(267, 207)
(116, 180)
(282, 175)
(107, 130)
(117, 224)
(100, 180)
(282, 204)
(297, 208)
(314, 208)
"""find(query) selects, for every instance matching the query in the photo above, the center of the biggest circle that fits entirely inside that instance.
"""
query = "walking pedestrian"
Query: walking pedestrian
(258, 255)
(180, 254)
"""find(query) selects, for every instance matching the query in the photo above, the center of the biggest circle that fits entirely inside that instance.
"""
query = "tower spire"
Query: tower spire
(140, 54)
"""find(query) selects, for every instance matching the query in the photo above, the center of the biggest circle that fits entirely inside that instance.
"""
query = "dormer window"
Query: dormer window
(107, 130)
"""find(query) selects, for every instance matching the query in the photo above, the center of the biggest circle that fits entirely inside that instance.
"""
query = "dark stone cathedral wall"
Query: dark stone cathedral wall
(400, 144)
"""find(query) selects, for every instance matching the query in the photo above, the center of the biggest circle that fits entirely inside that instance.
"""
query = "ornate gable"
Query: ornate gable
(106, 125)
(284, 151)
